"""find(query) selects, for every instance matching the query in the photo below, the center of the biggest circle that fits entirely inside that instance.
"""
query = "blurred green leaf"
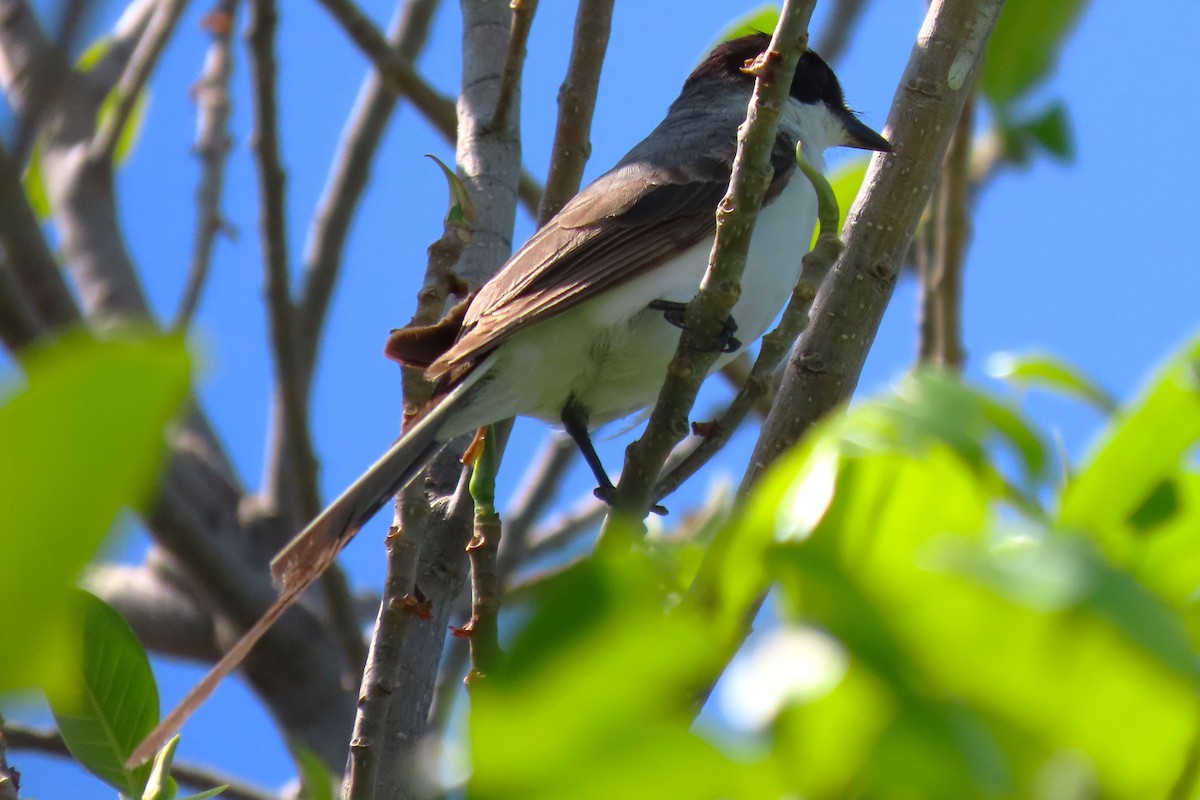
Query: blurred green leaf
(206, 794)
(316, 781)
(35, 184)
(83, 438)
(1047, 372)
(132, 131)
(847, 180)
(461, 210)
(761, 20)
(115, 702)
(1025, 46)
(160, 785)
(1143, 446)
(595, 698)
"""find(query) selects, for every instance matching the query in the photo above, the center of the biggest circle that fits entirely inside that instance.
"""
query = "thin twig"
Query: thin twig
(213, 143)
(942, 285)
(737, 372)
(577, 105)
(403, 78)
(539, 487)
(514, 64)
(482, 551)
(718, 292)
(560, 533)
(21, 737)
(293, 436)
(836, 33)
(10, 779)
(347, 180)
(775, 345)
(137, 72)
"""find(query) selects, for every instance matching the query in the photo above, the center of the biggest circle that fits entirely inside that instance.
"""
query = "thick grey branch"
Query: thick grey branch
(826, 363)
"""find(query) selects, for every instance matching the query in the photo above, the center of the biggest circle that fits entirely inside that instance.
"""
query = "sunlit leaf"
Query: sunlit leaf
(1043, 371)
(1025, 46)
(115, 703)
(83, 438)
(1143, 445)
(761, 20)
(34, 182)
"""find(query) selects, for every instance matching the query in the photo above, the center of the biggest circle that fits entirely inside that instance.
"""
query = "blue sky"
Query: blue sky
(1096, 261)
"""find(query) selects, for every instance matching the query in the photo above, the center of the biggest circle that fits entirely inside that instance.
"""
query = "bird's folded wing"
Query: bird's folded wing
(626, 223)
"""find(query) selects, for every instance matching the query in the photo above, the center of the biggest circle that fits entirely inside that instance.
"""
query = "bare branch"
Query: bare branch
(941, 275)
(826, 363)
(541, 484)
(20, 323)
(718, 292)
(514, 63)
(145, 58)
(576, 105)
(347, 180)
(194, 776)
(836, 33)
(403, 79)
(775, 345)
(32, 70)
(213, 143)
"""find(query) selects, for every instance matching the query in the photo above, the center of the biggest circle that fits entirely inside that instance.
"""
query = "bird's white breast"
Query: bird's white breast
(611, 353)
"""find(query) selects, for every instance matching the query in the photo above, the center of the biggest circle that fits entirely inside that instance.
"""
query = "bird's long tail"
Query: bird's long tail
(310, 553)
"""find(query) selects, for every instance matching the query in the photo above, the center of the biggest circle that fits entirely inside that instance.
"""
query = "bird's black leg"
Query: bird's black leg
(673, 313)
(574, 419)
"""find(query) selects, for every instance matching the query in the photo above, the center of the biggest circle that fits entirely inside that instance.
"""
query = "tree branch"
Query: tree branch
(826, 363)
(941, 276)
(213, 143)
(142, 63)
(577, 105)
(514, 62)
(706, 313)
(402, 78)
(836, 33)
(348, 178)
(197, 777)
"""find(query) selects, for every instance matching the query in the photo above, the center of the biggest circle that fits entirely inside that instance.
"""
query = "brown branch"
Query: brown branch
(137, 72)
(403, 79)
(292, 438)
(213, 143)
(33, 68)
(542, 481)
(825, 365)
(514, 63)
(347, 180)
(576, 105)
(775, 345)
(736, 215)
(485, 596)
(836, 33)
(201, 778)
(20, 323)
(941, 278)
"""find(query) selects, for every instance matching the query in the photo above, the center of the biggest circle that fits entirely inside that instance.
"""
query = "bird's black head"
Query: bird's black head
(814, 81)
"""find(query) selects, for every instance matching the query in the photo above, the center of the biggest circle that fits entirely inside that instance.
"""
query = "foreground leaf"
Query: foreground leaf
(83, 438)
(115, 703)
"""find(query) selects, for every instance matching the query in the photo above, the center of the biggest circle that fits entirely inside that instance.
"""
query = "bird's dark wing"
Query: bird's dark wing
(629, 221)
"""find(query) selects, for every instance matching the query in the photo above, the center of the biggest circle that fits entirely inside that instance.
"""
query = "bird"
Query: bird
(579, 325)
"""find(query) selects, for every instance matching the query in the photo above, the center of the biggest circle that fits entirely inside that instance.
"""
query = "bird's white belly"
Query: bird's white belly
(611, 353)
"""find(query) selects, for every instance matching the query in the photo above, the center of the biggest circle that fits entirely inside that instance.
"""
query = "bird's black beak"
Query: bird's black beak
(860, 136)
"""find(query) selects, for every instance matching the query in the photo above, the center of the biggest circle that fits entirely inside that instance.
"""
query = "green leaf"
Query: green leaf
(83, 439)
(1025, 46)
(115, 702)
(461, 211)
(1047, 372)
(316, 781)
(847, 180)
(160, 785)
(132, 131)
(761, 20)
(34, 182)
(1143, 446)
(206, 794)
(594, 697)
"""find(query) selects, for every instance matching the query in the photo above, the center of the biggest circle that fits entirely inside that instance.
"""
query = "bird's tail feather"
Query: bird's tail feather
(311, 552)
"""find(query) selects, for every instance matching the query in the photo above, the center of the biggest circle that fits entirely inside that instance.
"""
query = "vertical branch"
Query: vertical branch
(291, 405)
(576, 105)
(348, 178)
(951, 234)
(482, 552)
(836, 33)
(514, 62)
(213, 142)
